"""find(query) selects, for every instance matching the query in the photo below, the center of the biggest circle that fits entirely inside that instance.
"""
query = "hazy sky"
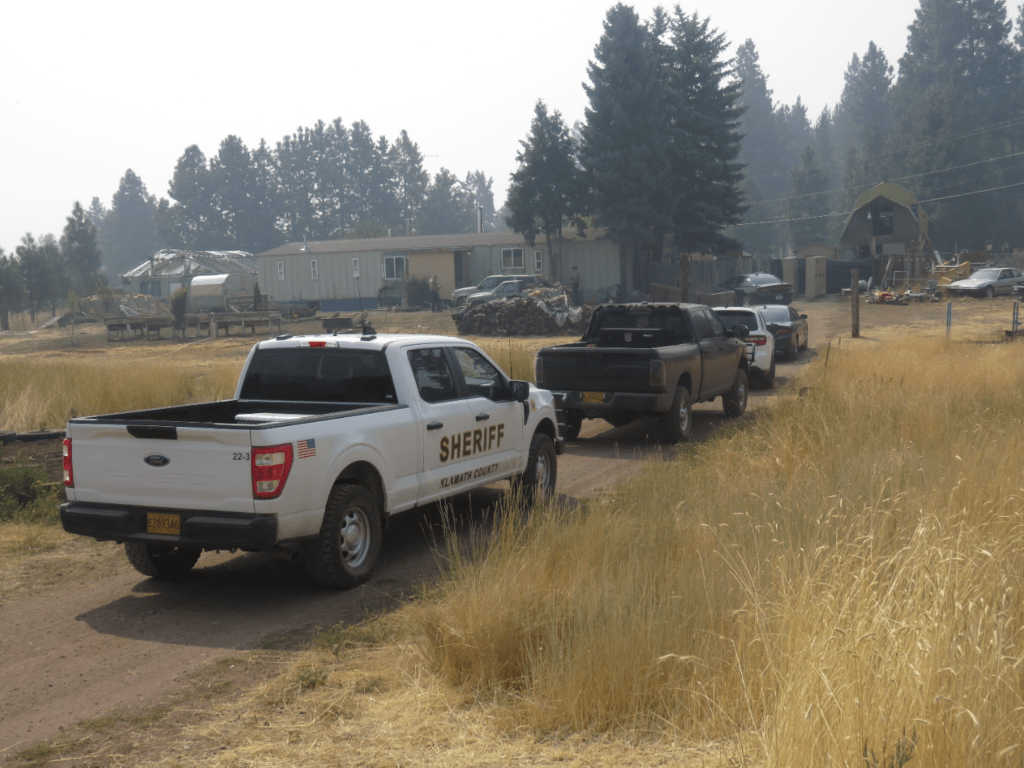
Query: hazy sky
(89, 90)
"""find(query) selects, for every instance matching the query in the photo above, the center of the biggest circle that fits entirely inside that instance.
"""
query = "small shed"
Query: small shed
(208, 293)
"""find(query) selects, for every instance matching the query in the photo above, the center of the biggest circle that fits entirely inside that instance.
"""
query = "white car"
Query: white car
(760, 342)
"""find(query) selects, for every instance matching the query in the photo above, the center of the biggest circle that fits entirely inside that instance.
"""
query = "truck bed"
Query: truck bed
(243, 414)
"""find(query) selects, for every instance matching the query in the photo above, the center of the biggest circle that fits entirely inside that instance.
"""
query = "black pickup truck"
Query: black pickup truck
(646, 359)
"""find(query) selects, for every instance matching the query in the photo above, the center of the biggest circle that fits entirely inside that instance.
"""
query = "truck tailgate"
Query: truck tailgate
(599, 369)
(180, 467)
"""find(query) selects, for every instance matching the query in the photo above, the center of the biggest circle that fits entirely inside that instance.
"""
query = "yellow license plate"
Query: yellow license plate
(593, 397)
(161, 523)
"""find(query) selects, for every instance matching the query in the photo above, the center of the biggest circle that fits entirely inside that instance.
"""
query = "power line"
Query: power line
(847, 213)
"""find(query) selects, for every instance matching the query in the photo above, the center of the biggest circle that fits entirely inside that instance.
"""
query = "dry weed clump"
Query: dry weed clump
(843, 575)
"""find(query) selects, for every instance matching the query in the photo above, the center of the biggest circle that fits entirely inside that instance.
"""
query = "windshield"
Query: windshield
(763, 280)
(985, 274)
(775, 314)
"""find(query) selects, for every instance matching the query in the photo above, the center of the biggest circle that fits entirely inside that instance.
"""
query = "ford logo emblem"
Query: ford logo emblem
(157, 460)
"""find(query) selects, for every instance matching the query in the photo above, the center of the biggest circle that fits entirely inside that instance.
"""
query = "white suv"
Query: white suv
(760, 342)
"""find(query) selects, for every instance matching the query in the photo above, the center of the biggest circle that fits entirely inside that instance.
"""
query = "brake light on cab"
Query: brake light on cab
(69, 472)
(270, 467)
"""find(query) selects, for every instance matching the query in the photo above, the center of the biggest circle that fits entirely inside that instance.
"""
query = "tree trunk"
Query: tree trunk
(5, 320)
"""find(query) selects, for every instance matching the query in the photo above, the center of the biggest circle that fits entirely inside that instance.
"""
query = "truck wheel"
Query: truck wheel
(167, 563)
(734, 402)
(537, 482)
(573, 425)
(677, 421)
(350, 538)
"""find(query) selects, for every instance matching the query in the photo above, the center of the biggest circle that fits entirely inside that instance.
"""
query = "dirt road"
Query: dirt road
(102, 637)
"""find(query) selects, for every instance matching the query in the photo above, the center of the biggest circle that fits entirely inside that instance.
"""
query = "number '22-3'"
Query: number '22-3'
(240, 456)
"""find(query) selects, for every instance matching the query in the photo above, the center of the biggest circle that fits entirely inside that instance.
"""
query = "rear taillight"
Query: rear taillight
(270, 468)
(757, 341)
(538, 371)
(69, 472)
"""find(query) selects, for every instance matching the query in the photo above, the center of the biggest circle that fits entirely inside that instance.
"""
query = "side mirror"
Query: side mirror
(773, 328)
(803, 317)
(520, 390)
(740, 331)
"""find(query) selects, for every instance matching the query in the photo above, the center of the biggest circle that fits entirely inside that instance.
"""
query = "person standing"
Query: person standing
(574, 281)
(435, 296)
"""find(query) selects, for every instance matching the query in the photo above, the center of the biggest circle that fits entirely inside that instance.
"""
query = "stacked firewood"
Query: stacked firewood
(518, 317)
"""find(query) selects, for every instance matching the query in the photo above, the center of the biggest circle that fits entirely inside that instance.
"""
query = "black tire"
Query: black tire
(677, 422)
(794, 351)
(537, 482)
(167, 563)
(734, 402)
(348, 547)
(768, 378)
(573, 425)
(990, 292)
(744, 300)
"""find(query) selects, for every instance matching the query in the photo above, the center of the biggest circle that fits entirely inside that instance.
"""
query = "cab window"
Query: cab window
(433, 376)
(482, 379)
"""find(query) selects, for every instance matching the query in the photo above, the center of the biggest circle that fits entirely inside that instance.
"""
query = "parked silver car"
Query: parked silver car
(505, 290)
(459, 295)
(987, 282)
(760, 342)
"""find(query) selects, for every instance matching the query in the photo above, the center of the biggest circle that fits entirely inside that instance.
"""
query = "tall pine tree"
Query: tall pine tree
(81, 253)
(546, 192)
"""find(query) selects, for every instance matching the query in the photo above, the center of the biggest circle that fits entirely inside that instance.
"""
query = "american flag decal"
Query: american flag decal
(307, 448)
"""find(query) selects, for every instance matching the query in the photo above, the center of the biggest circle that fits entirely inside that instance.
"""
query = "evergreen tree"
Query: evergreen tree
(192, 221)
(410, 180)
(480, 188)
(80, 251)
(41, 270)
(705, 113)
(361, 168)
(626, 138)
(764, 181)
(959, 74)
(264, 232)
(546, 192)
(97, 213)
(808, 203)
(447, 209)
(129, 234)
(243, 187)
(12, 289)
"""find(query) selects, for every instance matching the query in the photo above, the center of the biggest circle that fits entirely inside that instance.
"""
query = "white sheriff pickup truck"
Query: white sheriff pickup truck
(326, 437)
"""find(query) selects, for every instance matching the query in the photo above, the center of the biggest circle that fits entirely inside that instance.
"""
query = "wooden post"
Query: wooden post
(855, 302)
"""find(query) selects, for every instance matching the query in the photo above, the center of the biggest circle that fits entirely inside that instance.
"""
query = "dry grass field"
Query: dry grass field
(838, 580)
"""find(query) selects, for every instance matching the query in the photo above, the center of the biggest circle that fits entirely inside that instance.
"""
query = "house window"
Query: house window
(280, 271)
(314, 270)
(394, 267)
(538, 260)
(511, 258)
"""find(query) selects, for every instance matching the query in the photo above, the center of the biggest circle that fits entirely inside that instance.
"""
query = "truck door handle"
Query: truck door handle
(483, 416)
(435, 425)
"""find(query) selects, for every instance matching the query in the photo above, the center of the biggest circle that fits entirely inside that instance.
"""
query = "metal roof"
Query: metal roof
(174, 261)
(414, 243)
